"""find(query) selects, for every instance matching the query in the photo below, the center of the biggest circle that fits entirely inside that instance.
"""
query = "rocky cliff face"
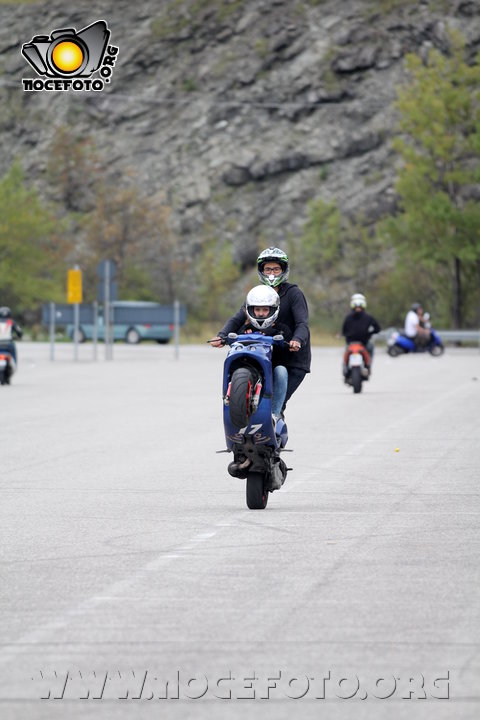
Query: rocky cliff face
(237, 111)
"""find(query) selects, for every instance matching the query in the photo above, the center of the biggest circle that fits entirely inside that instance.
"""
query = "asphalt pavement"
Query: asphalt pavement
(134, 581)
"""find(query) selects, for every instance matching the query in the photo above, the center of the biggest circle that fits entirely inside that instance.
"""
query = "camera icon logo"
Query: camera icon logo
(67, 53)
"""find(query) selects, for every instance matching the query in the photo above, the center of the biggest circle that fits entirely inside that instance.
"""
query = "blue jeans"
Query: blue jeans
(280, 382)
(370, 349)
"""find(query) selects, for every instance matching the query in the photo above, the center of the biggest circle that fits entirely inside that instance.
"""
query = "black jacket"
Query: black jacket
(359, 326)
(294, 314)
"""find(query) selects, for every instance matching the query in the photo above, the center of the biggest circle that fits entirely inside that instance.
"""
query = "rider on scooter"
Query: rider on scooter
(273, 270)
(261, 309)
(359, 326)
(413, 325)
(8, 328)
(255, 381)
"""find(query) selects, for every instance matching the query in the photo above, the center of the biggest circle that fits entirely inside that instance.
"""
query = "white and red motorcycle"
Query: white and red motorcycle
(356, 365)
(7, 366)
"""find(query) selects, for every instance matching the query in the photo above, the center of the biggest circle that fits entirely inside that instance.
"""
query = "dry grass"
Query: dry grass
(199, 333)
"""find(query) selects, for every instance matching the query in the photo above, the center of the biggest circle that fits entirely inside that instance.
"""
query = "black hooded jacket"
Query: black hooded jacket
(294, 314)
(359, 326)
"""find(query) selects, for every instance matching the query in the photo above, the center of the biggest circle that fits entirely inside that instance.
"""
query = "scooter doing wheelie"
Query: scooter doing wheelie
(250, 432)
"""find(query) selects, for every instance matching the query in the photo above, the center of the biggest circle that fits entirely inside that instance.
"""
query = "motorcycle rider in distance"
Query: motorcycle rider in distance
(359, 326)
(273, 270)
(8, 328)
(413, 325)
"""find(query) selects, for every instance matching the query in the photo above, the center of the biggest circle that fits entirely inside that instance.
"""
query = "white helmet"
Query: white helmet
(358, 300)
(262, 295)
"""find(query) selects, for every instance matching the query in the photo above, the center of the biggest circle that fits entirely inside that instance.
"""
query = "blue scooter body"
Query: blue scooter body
(255, 350)
(408, 345)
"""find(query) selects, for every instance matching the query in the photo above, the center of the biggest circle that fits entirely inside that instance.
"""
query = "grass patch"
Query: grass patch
(384, 7)
(374, 177)
(197, 333)
(261, 47)
(325, 338)
(189, 85)
(177, 15)
(193, 333)
(323, 174)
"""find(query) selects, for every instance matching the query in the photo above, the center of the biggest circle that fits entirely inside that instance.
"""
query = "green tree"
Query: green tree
(73, 169)
(135, 231)
(438, 224)
(337, 256)
(162, 257)
(32, 252)
(116, 230)
(216, 273)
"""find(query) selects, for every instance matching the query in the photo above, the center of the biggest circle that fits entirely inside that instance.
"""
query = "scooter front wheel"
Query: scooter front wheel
(257, 493)
(394, 351)
(241, 390)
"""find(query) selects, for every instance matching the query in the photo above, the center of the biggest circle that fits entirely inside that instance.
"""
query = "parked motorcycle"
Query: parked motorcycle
(356, 364)
(247, 415)
(399, 343)
(7, 366)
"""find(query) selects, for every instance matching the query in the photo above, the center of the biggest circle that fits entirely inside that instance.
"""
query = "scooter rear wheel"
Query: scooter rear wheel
(257, 493)
(436, 350)
(241, 390)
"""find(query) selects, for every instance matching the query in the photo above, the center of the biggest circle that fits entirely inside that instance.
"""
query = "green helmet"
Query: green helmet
(273, 254)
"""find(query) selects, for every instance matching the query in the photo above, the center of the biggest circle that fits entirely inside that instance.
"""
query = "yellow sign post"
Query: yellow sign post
(74, 286)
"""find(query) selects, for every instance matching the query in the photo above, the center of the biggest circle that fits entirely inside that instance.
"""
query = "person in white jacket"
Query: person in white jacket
(413, 325)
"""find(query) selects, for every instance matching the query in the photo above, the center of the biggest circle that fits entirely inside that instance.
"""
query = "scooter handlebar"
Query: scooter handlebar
(255, 337)
(250, 337)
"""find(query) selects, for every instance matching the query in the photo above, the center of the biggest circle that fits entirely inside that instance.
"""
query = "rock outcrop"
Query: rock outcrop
(239, 112)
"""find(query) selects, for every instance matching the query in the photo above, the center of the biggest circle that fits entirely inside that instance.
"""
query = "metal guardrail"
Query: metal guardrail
(460, 335)
(471, 336)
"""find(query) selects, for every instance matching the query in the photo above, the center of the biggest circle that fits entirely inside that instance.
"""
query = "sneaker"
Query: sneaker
(279, 473)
